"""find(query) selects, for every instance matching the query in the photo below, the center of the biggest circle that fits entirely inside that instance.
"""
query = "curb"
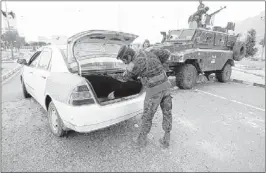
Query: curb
(3, 61)
(248, 83)
(244, 82)
(259, 75)
(172, 80)
(10, 73)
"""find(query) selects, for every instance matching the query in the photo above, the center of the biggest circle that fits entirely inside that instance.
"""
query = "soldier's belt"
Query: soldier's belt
(157, 78)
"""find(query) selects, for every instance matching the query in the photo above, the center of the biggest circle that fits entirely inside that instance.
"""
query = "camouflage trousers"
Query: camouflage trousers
(164, 99)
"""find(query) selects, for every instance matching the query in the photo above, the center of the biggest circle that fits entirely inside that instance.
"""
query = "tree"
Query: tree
(20, 41)
(250, 43)
(41, 43)
(10, 37)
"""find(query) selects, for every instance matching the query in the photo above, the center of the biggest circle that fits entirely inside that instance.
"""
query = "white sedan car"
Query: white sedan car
(72, 82)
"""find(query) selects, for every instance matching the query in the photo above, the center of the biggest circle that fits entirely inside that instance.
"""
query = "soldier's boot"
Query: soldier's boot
(165, 140)
(208, 76)
(140, 141)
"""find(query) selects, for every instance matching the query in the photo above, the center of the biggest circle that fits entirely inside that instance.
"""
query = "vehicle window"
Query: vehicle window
(173, 35)
(83, 50)
(197, 35)
(34, 56)
(206, 38)
(181, 35)
(220, 40)
(231, 40)
(187, 34)
(35, 59)
(209, 38)
(45, 59)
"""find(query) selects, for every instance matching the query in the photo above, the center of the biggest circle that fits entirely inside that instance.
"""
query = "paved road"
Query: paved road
(216, 127)
(7, 66)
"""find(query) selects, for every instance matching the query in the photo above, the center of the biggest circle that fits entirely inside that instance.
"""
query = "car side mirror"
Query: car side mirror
(22, 61)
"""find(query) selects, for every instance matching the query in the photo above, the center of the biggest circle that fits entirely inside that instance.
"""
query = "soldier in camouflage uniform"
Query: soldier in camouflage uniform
(201, 5)
(146, 44)
(147, 66)
(197, 16)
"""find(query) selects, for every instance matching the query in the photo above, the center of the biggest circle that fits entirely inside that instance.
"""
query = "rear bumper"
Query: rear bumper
(93, 117)
(107, 123)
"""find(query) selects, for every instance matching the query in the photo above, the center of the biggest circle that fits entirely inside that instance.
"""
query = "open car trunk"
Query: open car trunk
(93, 55)
(104, 84)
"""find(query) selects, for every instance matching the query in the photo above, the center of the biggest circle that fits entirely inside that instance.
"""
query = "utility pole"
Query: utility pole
(178, 13)
(119, 18)
(263, 45)
(12, 55)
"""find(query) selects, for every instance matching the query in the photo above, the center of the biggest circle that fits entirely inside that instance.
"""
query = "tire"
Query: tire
(239, 51)
(55, 122)
(186, 76)
(225, 74)
(24, 90)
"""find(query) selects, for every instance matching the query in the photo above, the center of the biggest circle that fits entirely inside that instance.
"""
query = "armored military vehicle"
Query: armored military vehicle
(201, 50)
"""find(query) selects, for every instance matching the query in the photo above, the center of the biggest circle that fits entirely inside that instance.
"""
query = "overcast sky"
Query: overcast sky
(146, 19)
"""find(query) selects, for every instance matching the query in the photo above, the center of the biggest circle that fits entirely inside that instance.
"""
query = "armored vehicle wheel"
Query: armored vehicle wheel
(239, 51)
(186, 76)
(224, 74)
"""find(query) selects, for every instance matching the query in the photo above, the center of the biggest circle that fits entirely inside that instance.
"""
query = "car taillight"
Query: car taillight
(81, 95)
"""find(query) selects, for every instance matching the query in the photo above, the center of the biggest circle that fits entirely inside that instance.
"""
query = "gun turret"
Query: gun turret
(164, 36)
(209, 16)
(217, 11)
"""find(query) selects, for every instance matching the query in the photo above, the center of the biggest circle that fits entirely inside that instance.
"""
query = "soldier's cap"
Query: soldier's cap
(146, 41)
(122, 51)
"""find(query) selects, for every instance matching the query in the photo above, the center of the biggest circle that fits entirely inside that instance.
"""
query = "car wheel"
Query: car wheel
(186, 76)
(55, 121)
(24, 90)
(225, 74)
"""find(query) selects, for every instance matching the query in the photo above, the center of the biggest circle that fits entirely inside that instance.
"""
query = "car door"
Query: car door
(28, 73)
(42, 73)
(205, 42)
(222, 50)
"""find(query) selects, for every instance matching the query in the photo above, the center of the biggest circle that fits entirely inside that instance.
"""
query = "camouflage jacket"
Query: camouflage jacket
(148, 66)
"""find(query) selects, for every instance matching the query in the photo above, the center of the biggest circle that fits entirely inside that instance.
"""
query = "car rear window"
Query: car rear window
(84, 50)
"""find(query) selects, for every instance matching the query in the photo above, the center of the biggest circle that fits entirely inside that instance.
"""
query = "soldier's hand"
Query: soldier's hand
(111, 96)
(121, 77)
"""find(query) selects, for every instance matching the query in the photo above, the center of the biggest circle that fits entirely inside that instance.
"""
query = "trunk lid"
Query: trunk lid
(96, 50)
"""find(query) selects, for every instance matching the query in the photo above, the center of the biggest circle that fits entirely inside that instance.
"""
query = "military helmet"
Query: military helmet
(121, 52)
(124, 51)
(162, 54)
